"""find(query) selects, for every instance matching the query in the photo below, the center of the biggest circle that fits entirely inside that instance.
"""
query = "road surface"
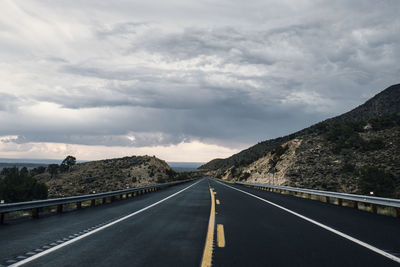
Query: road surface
(171, 227)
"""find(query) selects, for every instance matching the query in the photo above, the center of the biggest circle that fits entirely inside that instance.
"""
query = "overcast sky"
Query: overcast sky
(184, 80)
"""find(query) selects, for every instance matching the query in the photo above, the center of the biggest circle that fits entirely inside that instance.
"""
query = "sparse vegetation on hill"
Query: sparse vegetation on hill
(376, 181)
(346, 135)
(70, 178)
(357, 152)
(277, 153)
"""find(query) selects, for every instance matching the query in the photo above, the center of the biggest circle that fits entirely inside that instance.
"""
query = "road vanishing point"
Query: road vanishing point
(205, 223)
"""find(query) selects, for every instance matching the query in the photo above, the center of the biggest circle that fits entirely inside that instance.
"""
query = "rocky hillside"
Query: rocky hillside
(107, 175)
(356, 152)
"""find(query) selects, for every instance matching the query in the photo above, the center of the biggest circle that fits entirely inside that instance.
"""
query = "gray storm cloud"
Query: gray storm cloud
(232, 74)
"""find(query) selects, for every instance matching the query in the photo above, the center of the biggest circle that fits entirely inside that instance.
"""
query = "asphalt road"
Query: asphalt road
(169, 228)
(171, 233)
(259, 234)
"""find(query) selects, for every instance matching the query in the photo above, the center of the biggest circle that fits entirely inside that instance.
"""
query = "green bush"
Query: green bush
(374, 144)
(345, 135)
(348, 168)
(277, 152)
(385, 122)
(171, 173)
(53, 169)
(182, 176)
(244, 176)
(38, 170)
(18, 185)
(373, 179)
(161, 180)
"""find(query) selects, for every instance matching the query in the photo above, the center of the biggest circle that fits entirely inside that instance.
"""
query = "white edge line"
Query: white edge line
(355, 240)
(96, 230)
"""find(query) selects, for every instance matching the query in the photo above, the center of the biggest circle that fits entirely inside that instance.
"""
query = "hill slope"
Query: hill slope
(107, 175)
(337, 154)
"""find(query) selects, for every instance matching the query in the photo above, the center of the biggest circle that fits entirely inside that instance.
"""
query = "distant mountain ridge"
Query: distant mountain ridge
(384, 103)
(42, 162)
(21, 165)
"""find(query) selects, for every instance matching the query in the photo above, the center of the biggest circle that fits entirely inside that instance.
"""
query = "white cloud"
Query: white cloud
(182, 152)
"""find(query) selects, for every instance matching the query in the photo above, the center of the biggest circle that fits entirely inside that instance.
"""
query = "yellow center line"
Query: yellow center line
(208, 248)
(220, 236)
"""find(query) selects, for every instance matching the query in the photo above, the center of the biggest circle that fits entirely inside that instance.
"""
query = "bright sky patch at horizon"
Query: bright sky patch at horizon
(184, 80)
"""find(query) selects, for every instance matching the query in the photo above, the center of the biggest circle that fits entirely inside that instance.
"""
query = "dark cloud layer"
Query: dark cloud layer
(229, 74)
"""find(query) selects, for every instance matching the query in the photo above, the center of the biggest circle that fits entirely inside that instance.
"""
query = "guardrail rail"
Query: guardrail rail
(373, 202)
(36, 205)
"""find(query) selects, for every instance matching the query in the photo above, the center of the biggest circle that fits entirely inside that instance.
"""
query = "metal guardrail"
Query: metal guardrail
(374, 201)
(59, 202)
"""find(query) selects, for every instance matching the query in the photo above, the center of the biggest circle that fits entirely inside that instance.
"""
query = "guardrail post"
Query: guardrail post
(374, 208)
(355, 204)
(1, 218)
(59, 208)
(112, 198)
(78, 205)
(339, 202)
(397, 211)
(327, 200)
(104, 200)
(35, 213)
(93, 202)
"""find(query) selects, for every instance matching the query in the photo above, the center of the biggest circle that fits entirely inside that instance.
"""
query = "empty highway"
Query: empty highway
(201, 223)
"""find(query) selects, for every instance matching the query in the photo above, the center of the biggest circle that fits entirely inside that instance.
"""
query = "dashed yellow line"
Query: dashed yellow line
(208, 248)
(217, 201)
(220, 236)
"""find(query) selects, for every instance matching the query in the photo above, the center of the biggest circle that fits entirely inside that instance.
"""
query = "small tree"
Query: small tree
(67, 163)
(38, 170)
(53, 169)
